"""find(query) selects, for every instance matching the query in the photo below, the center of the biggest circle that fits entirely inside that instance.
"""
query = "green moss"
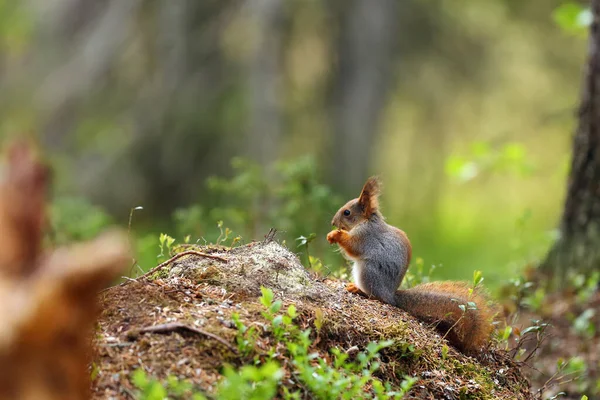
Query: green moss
(162, 273)
(473, 373)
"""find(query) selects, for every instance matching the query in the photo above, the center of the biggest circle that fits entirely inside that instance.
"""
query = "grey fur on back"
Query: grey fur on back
(383, 259)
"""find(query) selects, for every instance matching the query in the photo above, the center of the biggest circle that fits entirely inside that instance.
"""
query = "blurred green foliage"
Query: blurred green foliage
(483, 158)
(15, 27)
(75, 219)
(472, 144)
(291, 198)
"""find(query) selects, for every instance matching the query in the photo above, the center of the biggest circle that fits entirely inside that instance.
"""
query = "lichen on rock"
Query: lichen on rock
(250, 267)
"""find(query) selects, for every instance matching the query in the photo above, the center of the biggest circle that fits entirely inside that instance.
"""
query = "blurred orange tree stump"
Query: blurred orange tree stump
(47, 297)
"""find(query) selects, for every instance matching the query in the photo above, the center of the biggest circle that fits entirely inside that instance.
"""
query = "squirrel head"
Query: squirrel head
(360, 209)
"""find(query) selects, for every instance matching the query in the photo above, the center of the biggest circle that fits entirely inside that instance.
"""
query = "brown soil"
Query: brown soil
(203, 293)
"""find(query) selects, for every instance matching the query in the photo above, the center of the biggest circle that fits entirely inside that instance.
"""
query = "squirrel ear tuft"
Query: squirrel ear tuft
(369, 197)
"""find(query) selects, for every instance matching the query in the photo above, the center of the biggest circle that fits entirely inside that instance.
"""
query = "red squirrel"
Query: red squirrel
(381, 255)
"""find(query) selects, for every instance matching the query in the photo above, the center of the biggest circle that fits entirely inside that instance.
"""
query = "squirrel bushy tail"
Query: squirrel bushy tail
(438, 303)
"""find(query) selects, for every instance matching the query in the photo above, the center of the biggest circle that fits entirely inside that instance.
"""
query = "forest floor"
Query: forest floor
(568, 357)
(195, 299)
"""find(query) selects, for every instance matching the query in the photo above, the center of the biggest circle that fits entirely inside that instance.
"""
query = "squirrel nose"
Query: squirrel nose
(337, 221)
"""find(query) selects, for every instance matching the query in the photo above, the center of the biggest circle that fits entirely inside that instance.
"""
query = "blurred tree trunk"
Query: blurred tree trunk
(578, 247)
(365, 77)
(264, 76)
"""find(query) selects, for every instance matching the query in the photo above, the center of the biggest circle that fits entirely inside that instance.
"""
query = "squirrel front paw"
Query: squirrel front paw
(333, 236)
(352, 288)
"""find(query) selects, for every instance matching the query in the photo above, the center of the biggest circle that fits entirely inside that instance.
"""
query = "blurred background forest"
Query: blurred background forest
(266, 113)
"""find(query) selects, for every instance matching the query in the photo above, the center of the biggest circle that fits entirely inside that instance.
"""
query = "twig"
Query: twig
(159, 266)
(177, 326)
(119, 344)
(270, 236)
(539, 338)
(129, 392)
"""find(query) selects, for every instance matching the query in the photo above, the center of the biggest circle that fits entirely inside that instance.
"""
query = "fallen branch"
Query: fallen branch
(175, 327)
(163, 264)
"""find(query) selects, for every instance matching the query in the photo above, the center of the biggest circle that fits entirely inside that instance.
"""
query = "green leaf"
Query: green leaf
(506, 333)
(461, 168)
(514, 152)
(292, 311)
(572, 17)
(477, 277)
(267, 296)
(95, 371)
(155, 391)
(276, 306)
(318, 319)
(139, 378)
(445, 350)
(277, 320)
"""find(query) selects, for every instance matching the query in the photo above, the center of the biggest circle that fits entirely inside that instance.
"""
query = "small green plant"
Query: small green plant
(518, 289)
(165, 244)
(281, 325)
(477, 278)
(314, 263)
(584, 324)
(586, 286)
(503, 336)
(535, 301)
(153, 389)
(250, 382)
(343, 377)
(246, 337)
(150, 389)
(570, 370)
(536, 332)
(304, 241)
(224, 233)
(445, 350)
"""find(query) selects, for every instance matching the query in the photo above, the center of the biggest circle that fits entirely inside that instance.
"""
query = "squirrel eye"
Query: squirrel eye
(346, 212)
